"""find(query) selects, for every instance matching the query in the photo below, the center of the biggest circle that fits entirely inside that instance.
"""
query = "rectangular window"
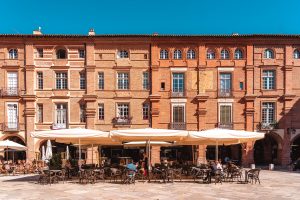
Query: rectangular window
(12, 116)
(81, 53)
(145, 80)
(40, 53)
(12, 83)
(241, 85)
(40, 113)
(162, 86)
(225, 112)
(178, 84)
(178, 117)
(40, 80)
(82, 81)
(61, 80)
(146, 111)
(123, 110)
(101, 111)
(101, 81)
(178, 113)
(268, 112)
(82, 113)
(60, 116)
(123, 81)
(268, 79)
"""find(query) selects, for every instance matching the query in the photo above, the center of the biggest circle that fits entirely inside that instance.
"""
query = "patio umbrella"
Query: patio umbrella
(67, 153)
(219, 136)
(149, 135)
(146, 134)
(7, 144)
(43, 153)
(48, 150)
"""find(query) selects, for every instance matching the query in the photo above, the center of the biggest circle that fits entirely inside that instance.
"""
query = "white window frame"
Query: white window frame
(191, 54)
(177, 54)
(296, 54)
(7, 113)
(225, 54)
(238, 54)
(12, 82)
(56, 114)
(268, 79)
(38, 119)
(101, 105)
(82, 80)
(40, 80)
(123, 81)
(13, 54)
(164, 54)
(210, 54)
(269, 54)
(122, 54)
(61, 80)
(267, 114)
(117, 108)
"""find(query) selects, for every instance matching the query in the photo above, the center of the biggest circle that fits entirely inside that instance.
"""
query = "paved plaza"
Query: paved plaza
(274, 185)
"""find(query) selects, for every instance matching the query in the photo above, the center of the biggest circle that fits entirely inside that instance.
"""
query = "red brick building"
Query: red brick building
(105, 82)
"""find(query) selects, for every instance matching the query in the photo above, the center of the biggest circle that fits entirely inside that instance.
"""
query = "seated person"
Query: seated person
(131, 166)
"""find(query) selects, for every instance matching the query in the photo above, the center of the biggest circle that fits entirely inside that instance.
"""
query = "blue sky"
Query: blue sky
(144, 17)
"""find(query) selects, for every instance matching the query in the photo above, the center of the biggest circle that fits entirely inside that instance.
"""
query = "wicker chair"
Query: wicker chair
(253, 175)
(115, 174)
(129, 177)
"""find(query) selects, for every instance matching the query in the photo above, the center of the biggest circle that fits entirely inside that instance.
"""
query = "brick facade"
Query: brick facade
(202, 96)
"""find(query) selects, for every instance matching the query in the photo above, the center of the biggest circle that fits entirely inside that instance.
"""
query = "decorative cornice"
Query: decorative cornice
(202, 97)
(288, 97)
(89, 97)
(29, 97)
(154, 97)
(250, 97)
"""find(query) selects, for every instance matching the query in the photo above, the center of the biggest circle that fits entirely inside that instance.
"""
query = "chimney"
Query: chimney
(155, 34)
(91, 32)
(38, 32)
(235, 34)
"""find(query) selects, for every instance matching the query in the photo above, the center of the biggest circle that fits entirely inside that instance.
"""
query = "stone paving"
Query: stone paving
(274, 185)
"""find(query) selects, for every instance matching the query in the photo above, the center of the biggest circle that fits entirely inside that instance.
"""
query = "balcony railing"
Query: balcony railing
(58, 126)
(177, 93)
(121, 121)
(225, 125)
(267, 126)
(178, 125)
(11, 126)
(11, 91)
(225, 93)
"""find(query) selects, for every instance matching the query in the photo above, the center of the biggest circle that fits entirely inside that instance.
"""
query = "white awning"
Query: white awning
(222, 136)
(12, 145)
(149, 134)
(86, 136)
(144, 143)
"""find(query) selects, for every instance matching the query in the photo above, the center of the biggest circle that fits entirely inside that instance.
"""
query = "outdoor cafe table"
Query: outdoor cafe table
(52, 174)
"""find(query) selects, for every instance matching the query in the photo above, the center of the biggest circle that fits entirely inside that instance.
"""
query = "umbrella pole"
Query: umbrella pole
(217, 151)
(79, 154)
(92, 154)
(7, 154)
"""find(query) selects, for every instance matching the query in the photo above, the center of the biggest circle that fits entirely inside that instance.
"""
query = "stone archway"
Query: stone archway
(12, 155)
(268, 150)
(295, 148)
